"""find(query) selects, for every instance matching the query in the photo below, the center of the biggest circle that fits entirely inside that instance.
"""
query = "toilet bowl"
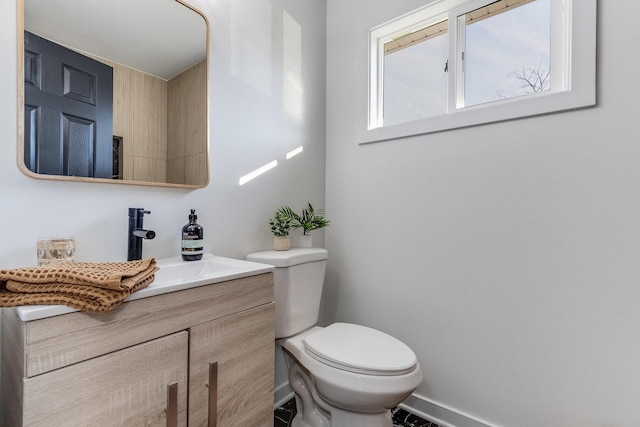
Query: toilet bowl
(342, 375)
(348, 376)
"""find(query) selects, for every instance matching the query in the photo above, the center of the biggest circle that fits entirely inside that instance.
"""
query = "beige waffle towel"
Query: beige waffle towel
(92, 287)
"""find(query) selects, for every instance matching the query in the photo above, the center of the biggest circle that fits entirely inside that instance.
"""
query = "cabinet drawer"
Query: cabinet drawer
(60, 341)
(125, 388)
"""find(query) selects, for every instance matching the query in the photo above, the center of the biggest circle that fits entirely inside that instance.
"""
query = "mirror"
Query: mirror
(153, 129)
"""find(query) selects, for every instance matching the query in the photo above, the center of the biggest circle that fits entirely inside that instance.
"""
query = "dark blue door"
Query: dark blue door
(68, 111)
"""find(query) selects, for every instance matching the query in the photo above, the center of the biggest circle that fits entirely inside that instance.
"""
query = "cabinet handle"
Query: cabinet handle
(172, 405)
(213, 394)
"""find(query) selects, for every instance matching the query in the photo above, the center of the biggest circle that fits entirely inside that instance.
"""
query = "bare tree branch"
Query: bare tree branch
(533, 79)
(530, 78)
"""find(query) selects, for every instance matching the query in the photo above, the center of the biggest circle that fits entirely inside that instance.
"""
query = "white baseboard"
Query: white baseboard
(416, 404)
(282, 394)
(439, 413)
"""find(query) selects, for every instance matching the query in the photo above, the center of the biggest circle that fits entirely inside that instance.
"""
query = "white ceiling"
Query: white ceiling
(159, 37)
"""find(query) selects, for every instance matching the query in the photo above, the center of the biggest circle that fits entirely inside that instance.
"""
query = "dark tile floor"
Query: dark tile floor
(401, 418)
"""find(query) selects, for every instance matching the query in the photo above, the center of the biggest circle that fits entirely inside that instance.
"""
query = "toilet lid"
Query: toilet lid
(359, 349)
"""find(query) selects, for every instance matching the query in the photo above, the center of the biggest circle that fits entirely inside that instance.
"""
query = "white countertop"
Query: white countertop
(174, 275)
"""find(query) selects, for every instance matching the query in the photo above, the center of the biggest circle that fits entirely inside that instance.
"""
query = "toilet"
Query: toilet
(343, 375)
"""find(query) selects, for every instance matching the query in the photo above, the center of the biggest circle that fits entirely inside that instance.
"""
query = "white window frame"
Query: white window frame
(573, 73)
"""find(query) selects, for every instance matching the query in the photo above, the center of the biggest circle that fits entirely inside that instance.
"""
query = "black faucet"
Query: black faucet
(137, 233)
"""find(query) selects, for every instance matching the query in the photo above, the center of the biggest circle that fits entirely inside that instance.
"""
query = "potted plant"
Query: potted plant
(280, 226)
(309, 219)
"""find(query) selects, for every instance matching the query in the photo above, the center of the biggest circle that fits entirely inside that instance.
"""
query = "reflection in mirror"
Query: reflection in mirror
(114, 91)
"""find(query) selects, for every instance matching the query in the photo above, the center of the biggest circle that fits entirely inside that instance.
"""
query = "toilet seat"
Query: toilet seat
(360, 349)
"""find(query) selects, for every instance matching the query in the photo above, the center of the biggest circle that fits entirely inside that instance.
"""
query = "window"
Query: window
(507, 50)
(457, 63)
(414, 77)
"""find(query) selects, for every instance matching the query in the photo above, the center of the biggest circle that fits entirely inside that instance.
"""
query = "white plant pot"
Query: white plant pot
(281, 243)
(305, 241)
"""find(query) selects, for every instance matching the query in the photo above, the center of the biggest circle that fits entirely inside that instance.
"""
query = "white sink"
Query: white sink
(189, 271)
(174, 275)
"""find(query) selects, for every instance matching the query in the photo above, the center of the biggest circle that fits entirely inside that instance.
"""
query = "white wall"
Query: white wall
(267, 98)
(505, 255)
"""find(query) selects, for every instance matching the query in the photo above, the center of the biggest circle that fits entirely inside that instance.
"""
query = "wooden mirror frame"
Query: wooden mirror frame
(21, 115)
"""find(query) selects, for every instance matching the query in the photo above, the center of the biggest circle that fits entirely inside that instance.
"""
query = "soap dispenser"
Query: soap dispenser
(192, 239)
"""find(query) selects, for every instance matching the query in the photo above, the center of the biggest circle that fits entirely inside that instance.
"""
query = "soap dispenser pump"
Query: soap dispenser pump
(192, 239)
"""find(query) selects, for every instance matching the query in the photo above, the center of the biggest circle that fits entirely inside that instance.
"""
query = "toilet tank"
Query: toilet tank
(298, 281)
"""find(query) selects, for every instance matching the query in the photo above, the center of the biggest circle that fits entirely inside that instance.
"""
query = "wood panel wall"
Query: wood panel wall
(163, 124)
(187, 127)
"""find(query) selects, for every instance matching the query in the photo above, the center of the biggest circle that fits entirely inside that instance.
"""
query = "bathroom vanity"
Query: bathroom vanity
(196, 348)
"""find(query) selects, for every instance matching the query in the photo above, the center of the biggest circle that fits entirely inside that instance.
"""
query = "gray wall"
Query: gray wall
(505, 255)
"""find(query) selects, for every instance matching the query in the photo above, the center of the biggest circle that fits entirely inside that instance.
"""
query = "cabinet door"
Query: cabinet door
(237, 353)
(130, 387)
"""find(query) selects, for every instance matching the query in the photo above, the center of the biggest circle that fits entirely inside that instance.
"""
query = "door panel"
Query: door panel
(79, 85)
(30, 132)
(79, 143)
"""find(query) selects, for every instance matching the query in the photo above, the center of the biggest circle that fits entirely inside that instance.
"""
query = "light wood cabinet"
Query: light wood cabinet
(197, 357)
